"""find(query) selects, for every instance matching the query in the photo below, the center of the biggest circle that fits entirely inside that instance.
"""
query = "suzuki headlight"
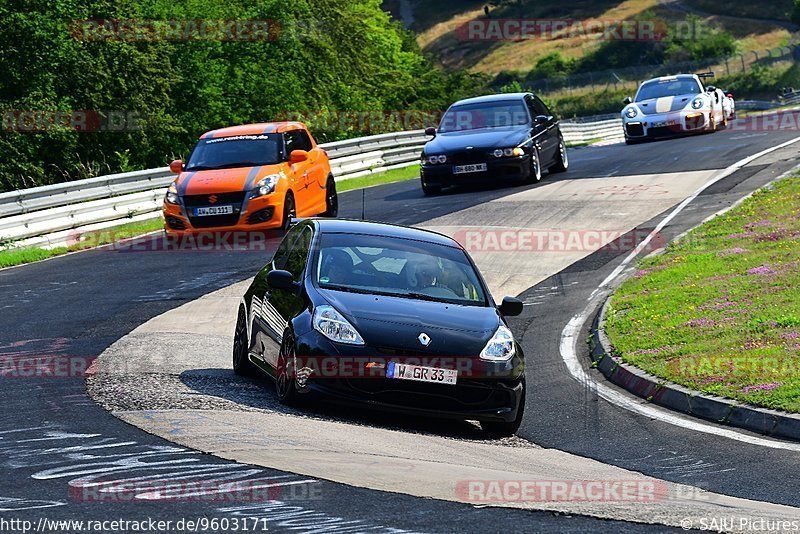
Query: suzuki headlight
(330, 323)
(698, 103)
(266, 185)
(172, 194)
(501, 347)
(630, 112)
(508, 152)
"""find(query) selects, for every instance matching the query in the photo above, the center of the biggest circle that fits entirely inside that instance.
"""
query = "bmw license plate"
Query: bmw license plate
(462, 169)
(213, 210)
(402, 371)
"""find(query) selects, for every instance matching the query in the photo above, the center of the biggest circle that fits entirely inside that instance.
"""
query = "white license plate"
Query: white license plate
(461, 169)
(401, 371)
(213, 210)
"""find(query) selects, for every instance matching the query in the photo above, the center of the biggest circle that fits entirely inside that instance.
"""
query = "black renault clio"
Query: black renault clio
(511, 137)
(382, 316)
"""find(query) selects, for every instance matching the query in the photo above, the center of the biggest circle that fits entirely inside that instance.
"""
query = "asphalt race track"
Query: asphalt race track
(75, 307)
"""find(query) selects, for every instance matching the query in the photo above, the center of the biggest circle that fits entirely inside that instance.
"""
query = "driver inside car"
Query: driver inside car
(336, 267)
(424, 274)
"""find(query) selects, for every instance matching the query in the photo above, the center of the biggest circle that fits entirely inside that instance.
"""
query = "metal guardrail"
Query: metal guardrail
(605, 130)
(53, 215)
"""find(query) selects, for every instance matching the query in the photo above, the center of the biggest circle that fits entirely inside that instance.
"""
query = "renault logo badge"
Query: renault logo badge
(213, 199)
(425, 339)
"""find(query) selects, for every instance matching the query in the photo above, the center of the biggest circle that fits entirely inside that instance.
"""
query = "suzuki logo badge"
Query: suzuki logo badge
(425, 339)
(212, 199)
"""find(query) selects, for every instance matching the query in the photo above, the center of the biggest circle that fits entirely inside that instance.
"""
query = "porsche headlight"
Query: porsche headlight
(172, 194)
(508, 152)
(436, 160)
(267, 184)
(330, 323)
(501, 347)
(630, 112)
(698, 103)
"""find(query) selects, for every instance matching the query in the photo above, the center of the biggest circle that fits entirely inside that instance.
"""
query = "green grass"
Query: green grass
(719, 311)
(394, 175)
(11, 256)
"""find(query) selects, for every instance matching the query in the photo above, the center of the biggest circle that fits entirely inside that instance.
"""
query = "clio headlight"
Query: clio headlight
(267, 184)
(501, 347)
(630, 112)
(172, 194)
(698, 103)
(330, 323)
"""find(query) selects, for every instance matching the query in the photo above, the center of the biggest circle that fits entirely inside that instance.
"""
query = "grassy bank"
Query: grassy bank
(720, 310)
(11, 255)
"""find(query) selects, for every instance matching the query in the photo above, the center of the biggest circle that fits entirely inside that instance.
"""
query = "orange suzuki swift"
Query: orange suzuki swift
(250, 177)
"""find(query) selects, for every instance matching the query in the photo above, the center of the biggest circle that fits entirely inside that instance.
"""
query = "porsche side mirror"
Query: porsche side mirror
(711, 88)
(627, 100)
(510, 307)
(298, 156)
(729, 95)
(280, 279)
(176, 166)
(430, 130)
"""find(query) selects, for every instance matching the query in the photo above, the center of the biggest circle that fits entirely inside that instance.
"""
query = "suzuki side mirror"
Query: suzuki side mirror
(298, 156)
(430, 130)
(176, 166)
(627, 100)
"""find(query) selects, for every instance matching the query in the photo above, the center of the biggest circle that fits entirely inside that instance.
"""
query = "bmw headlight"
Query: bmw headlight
(501, 347)
(508, 152)
(698, 103)
(630, 112)
(437, 160)
(330, 323)
(172, 194)
(267, 184)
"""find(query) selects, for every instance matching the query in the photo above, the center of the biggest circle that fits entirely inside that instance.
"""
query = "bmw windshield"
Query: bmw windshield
(235, 151)
(492, 114)
(397, 267)
(669, 87)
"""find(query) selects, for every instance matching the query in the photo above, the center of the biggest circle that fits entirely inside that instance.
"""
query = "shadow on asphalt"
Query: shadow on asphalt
(259, 393)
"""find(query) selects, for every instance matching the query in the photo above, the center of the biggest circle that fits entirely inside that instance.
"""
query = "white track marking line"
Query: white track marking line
(570, 337)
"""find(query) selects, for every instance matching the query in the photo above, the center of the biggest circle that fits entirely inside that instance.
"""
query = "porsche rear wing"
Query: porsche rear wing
(709, 74)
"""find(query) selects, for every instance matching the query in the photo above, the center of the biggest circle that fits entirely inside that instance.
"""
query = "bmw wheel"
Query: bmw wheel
(536, 167)
(561, 160)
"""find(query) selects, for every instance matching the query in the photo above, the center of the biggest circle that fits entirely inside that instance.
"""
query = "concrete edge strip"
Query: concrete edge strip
(571, 333)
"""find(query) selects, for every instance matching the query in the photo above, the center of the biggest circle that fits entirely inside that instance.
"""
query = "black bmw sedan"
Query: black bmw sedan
(382, 316)
(511, 137)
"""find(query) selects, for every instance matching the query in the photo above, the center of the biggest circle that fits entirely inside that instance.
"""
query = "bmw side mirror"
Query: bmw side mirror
(280, 279)
(510, 307)
(541, 119)
(627, 100)
(430, 130)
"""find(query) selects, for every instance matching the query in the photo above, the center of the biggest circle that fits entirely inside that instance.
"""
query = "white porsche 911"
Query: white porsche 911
(674, 105)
